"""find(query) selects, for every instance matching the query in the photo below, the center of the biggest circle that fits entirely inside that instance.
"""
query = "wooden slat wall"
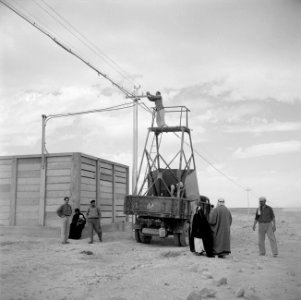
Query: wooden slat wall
(5, 188)
(28, 191)
(88, 182)
(81, 177)
(106, 192)
(58, 180)
(121, 184)
(112, 189)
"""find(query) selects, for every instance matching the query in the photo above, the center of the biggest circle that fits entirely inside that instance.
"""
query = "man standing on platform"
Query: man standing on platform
(160, 112)
(267, 226)
(64, 212)
(93, 217)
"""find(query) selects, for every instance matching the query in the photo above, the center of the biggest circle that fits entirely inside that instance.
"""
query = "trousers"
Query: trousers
(94, 224)
(65, 222)
(160, 118)
(263, 230)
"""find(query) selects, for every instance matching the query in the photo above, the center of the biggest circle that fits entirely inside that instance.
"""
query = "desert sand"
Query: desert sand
(121, 269)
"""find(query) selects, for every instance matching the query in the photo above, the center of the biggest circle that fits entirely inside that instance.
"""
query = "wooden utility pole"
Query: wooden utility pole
(248, 190)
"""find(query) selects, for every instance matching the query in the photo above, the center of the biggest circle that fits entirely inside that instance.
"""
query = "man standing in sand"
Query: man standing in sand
(64, 212)
(266, 226)
(93, 217)
(220, 220)
(160, 112)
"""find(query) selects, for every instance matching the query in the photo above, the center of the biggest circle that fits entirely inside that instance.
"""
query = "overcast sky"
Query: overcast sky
(235, 64)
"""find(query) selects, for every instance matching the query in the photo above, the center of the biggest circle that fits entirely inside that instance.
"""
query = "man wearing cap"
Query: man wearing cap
(93, 217)
(220, 220)
(64, 212)
(160, 112)
(266, 226)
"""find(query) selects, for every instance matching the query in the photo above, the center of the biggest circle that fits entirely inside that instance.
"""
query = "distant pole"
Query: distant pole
(135, 143)
(44, 117)
(248, 190)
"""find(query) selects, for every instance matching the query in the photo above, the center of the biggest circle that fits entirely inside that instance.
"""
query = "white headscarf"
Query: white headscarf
(261, 199)
(220, 201)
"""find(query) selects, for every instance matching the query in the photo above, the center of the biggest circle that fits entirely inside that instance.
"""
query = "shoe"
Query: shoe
(65, 242)
(91, 242)
(221, 256)
(275, 255)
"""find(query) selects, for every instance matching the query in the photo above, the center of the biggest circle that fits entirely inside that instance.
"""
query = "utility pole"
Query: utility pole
(248, 190)
(43, 146)
(135, 146)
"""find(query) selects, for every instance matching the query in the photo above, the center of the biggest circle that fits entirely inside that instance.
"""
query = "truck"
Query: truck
(167, 188)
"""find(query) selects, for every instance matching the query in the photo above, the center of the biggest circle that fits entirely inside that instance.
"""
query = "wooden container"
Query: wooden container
(30, 194)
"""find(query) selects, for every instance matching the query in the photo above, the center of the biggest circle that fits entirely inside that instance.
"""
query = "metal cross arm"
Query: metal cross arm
(136, 97)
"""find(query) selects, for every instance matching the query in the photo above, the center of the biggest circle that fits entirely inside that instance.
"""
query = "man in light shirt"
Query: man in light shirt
(64, 212)
(266, 226)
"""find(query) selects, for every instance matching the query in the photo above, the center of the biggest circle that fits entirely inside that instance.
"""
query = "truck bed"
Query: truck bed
(155, 206)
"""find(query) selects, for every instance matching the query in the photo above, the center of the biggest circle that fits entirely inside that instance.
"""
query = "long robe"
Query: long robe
(200, 229)
(77, 225)
(220, 220)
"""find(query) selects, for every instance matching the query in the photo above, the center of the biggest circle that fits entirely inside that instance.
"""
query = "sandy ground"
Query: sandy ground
(121, 269)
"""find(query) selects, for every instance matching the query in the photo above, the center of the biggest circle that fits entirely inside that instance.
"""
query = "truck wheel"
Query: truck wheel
(137, 236)
(145, 238)
(184, 236)
(176, 239)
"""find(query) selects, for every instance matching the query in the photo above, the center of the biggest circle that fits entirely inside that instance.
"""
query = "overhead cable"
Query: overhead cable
(67, 25)
(62, 45)
(116, 107)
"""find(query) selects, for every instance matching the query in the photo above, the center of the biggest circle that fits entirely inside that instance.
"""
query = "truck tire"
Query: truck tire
(182, 238)
(142, 238)
(176, 239)
(137, 236)
(145, 239)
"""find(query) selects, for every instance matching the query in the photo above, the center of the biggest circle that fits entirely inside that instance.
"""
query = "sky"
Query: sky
(235, 64)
